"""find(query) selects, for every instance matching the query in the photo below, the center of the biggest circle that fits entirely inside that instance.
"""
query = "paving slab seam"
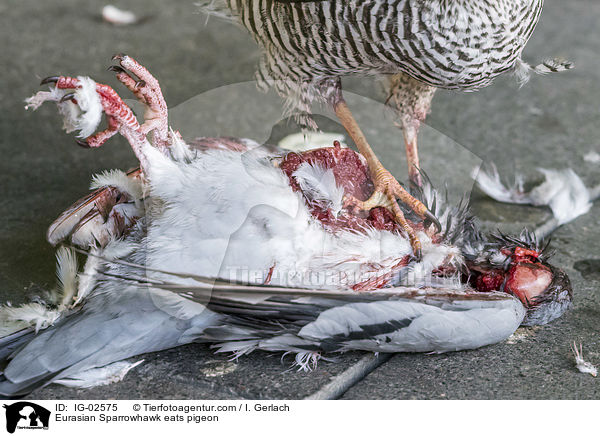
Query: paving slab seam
(337, 387)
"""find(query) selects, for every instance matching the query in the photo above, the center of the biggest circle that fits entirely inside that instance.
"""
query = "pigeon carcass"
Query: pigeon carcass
(251, 247)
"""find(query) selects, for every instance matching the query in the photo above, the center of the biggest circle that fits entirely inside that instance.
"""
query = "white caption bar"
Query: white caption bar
(297, 417)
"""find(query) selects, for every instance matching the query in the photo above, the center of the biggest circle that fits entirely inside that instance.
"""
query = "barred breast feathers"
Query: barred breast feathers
(458, 44)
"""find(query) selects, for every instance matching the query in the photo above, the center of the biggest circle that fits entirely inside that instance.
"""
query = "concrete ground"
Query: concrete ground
(551, 122)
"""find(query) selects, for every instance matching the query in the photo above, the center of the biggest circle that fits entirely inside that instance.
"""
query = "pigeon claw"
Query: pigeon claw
(117, 69)
(49, 79)
(139, 83)
(69, 96)
(82, 143)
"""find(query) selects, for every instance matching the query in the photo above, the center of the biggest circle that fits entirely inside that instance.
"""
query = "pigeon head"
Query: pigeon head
(544, 289)
(519, 266)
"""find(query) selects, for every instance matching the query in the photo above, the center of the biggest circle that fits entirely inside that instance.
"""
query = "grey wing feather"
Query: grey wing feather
(12, 342)
(435, 320)
(391, 320)
(122, 319)
(111, 327)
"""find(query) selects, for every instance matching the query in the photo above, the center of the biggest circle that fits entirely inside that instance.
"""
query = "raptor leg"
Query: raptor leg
(387, 189)
(411, 99)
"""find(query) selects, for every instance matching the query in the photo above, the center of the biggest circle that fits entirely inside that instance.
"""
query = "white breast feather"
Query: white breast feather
(319, 185)
(235, 216)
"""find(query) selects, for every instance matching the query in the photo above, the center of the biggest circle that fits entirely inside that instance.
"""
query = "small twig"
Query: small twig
(357, 372)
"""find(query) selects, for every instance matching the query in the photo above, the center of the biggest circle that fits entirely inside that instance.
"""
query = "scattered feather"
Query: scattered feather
(113, 15)
(307, 361)
(563, 191)
(592, 157)
(522, 72)
(178, 149)
(112, 373)
(580, 363)
(42, 314)
(216, 8)
(85, 116)
(489, 182)
(36, 100)
(522, 334)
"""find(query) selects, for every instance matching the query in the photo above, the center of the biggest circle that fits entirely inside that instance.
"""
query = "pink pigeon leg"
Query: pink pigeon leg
(146, 96)
(135, 86)
(62, 82)
(156, 116)
(112, 104)
(100, 138)
(128, 124)
(120, 116)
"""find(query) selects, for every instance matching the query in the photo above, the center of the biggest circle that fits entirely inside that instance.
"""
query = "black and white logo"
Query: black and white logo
(26, 415)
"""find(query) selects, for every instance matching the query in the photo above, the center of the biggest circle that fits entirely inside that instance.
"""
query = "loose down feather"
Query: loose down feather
(562, 191)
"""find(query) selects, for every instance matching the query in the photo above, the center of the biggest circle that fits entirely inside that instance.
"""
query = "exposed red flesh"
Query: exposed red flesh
(270, 275)
(351, 173)
(380, 281)
(527, 281)
(349, 168)
(490, 280)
